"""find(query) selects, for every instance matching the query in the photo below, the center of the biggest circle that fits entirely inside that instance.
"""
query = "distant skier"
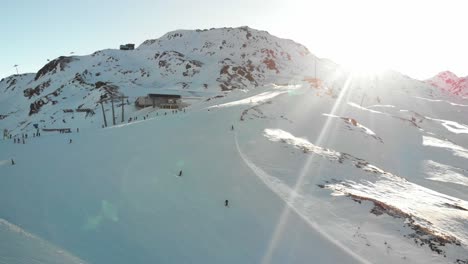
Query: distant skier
(12, 162)
(226, 203)
(23, 141)
(232, 127)
(180, 173)
(70, 141)
(77, 130)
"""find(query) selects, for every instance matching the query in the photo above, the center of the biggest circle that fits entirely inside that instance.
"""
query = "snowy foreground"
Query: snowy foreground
(310, 178)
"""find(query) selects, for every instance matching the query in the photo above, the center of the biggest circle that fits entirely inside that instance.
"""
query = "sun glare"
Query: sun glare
(373, 36)
(365, 67)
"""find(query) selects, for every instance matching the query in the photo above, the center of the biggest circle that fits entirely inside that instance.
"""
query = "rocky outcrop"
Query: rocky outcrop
(52, 67)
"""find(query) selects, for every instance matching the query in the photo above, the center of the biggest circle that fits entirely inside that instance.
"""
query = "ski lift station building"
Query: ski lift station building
(166, 101)
(129, 46)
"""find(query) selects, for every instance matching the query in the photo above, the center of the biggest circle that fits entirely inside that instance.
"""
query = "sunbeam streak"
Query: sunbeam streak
(304, 171)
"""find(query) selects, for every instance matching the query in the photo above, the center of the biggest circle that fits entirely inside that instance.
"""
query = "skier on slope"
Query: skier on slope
(180, 173)
(226, 203)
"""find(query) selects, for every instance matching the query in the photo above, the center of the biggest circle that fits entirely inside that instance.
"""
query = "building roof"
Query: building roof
(164, 95)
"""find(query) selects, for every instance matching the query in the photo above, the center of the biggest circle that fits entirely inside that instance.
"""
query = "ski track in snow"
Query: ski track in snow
(293, 200)
(384, 106)
(364, 108)
(445, 173)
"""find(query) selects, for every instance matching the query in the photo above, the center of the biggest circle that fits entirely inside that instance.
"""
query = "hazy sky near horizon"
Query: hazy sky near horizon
(417, 38)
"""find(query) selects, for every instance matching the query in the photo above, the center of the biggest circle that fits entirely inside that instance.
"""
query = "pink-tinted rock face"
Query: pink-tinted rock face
(450, 82)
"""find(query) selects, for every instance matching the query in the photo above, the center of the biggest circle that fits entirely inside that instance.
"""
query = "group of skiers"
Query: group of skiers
(18, 141)
(24, 136)
(22, 139)
(157, 114)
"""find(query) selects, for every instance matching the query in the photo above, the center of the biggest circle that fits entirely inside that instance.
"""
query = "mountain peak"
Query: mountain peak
(226, 38)
(447, 74)
(450, 82)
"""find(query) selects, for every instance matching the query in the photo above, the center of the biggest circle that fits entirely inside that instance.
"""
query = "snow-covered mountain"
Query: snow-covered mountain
(192, 62)
(450, 82)
(318, 165)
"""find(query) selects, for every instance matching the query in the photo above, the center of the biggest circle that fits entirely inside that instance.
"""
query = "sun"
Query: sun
(365, 67)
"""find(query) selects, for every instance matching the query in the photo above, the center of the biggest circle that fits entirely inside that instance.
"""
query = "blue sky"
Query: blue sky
(419, 38)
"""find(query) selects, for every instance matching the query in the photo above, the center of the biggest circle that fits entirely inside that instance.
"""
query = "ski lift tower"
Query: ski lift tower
(112, 99)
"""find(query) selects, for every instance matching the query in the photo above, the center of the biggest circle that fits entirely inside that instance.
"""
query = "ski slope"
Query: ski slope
(123, 203)
(288, 171)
